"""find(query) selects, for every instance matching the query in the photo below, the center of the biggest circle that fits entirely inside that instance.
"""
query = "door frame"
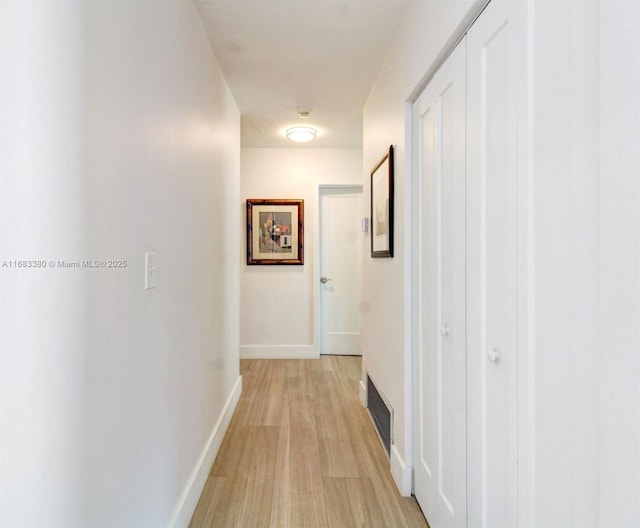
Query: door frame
(317, 307)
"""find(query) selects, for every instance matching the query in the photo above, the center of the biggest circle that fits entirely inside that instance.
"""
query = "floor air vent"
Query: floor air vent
(381, 413)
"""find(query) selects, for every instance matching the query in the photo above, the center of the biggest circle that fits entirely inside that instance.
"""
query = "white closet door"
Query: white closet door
(492, 353)
(439, 267)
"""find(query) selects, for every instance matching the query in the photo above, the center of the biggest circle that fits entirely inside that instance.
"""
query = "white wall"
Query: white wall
(422, 37)
(619, 258)
(118, 136)
(584, 362)
(42, 212)
(286, 294)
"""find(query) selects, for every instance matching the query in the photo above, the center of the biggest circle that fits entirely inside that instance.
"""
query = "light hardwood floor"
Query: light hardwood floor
(301, 451)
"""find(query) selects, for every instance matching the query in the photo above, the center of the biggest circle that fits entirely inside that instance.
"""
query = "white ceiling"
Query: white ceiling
(281, 55)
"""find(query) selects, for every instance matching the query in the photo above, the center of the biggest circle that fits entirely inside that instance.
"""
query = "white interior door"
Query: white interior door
(340, 270)
(439, 304)
(492, 52)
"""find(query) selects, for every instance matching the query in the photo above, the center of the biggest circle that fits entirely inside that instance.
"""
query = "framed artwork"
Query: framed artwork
(275, 232)
(382, 206)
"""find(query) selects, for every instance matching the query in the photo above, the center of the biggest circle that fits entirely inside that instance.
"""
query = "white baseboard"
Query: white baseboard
(278, 352)
(181, 516)
(401, 473)
(362, 392)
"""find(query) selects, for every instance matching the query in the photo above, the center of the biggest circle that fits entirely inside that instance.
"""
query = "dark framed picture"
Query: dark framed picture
(382, 206)
(275, 231)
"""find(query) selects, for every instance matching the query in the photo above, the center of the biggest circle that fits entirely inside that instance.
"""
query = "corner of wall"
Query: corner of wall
(362, 392)
(402, 474)
(181, 516)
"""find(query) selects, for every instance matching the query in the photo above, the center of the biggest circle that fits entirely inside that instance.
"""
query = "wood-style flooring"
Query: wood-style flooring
(301, 451)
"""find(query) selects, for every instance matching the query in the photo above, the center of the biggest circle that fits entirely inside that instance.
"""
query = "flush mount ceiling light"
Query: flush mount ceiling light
(301, 134)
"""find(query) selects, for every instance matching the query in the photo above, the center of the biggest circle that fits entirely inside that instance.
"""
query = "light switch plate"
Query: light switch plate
(150, 270)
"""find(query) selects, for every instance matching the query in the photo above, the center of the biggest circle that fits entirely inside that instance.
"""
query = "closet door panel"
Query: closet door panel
(440, 383)
(492, 225)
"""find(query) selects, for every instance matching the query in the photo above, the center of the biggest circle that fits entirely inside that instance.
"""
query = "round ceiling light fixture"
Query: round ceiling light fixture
(301, 134)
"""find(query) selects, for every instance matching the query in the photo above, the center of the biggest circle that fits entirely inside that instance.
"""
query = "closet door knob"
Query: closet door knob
(444, 330)
(494, 355)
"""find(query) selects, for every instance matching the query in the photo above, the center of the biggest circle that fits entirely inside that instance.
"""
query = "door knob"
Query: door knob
(444, 330)
(494, 355)
(324, 280)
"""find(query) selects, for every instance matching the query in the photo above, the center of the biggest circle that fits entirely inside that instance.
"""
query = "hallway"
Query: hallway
(302, 452)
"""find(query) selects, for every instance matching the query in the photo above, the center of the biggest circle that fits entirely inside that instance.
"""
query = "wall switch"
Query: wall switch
(365, 224)
(150, 270)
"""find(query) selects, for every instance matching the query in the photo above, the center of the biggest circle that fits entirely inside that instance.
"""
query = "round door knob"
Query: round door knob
(444, 330)
(494, 355)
